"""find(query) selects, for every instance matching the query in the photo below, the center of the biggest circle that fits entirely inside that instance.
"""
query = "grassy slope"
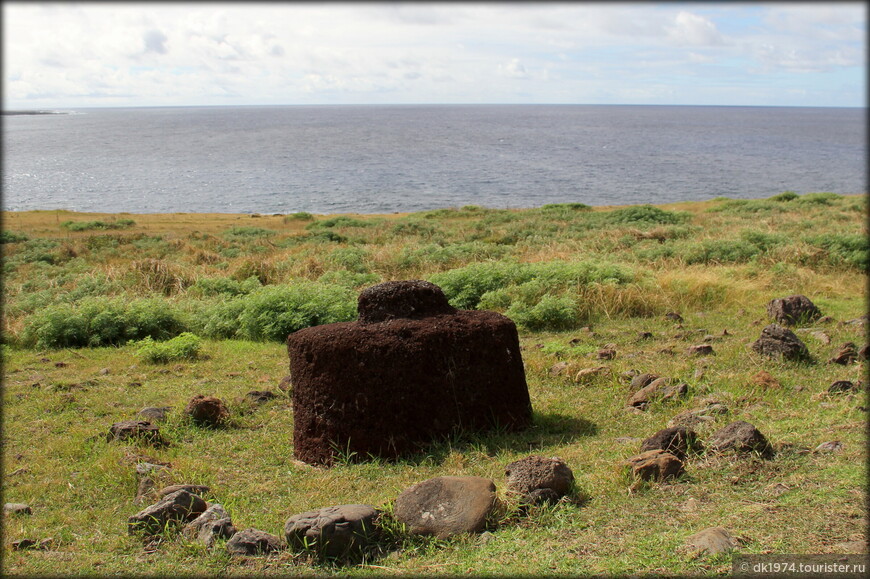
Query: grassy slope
(81, 487)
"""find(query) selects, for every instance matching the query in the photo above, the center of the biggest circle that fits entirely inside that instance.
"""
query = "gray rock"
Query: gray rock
(660, 389)
(335, 532)
(446, 505)
(700, 350)
(640, 381)
(654, 465)
(211, 525)
(793, 310)
(17, 509)
(285, 385)
(841, 386)
(677, 440)
(253, 542)
(778, 342)
(136, 430)
(146, 468)
(531, 476)
(741, 437)
(830, 446)
(260, 396)
(847, 354)
(154, 413)
(558, 368)
(192, 489)
(179, 507)
(712, 541)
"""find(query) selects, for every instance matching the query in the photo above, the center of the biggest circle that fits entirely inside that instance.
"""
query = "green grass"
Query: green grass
(597, 268)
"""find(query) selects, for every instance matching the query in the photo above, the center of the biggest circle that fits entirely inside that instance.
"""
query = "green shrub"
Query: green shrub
(550, 313)
(643, 214)
(350, 258)
(763, 241)
(465, 286)
(818, 198)
(12, 237)
(212, 286)
(785, 196)
(97, 225)
(56, 326)
(298, 216)
(561, 207)
(720, 251)
(341, 221)
(849, 249)
(349, 279)
(453, 254)
(37, 250)
(748, 207)
(185, 346)
(416, 227)
(246, 232)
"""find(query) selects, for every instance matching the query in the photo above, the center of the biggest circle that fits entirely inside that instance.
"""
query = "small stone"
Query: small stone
(211, 525)
(741, 437)
(678, 440)
(207, 411)
(336, 532)
(779, 342)
(606, 354)
(154, 413)
(846, 355)
(765, 380)
(446, 505)
(700, 350)
(285, 385)
(587, 375)
(674, 316)
(654, 465)
(136, 430)
(644, 336)
(104, 372)
(841, 386)
(558, 368)
(253, 542)
(661, 389)
(830, 446)
(822, 337)
(179, 507)
(642, 380)
(793, 310)
(145, 468)
(192, 489)
(17, 509)
(260, 396)
(712, 541)
(536, 473)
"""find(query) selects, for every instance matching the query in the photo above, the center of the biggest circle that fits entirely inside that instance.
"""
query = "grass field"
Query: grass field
(90, 298)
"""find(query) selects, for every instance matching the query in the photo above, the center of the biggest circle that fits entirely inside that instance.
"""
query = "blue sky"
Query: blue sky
(68, 55)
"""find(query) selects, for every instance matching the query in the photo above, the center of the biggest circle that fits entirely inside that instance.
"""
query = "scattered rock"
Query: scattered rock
(841, 386)
(446, 505)
(558, 368)
(741, 437)
(793, 310)
(154, 413)
(253, 542)
(642, 380)
(655, 465)
(779, 342)
(193, 489)
(40, 545)
(712, 541)
(822, 337)
(260, 396)
(179, 507)
(378, 386)
(644, 336)
(846, 355)
(765, 380)
(660, 389)
(136, 430)
(146, 468)
(17, 509)
(335, 532)
(207, 411)
(537, 473)
(700, 350)
(674, 316)
(587, 375)
(215, 523)
(285, 385)
(863, 353)
(104, 371)
(830, 446)
(862, 321)
(678, 440)
(606, 354)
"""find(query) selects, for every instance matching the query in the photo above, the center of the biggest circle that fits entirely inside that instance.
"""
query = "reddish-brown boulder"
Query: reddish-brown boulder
(412, 369)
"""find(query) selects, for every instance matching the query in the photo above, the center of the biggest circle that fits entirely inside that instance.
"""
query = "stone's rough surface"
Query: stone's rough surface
(642, 381)
(532, 476)
(678, 440)
(700, 350)
(778, 342)
(793, 310)
(446, 505)
(17, 509)
(412, 299)
(211, 525)
(136, 430)
(154, 413)
(742, 437)
(193, 489)
(178, 507)
(830, 446)
(207, 410)
(253, 542)
(260, 396)
(387, 385)
(660, 389)
(841, 386)
(286, 384)
(846, 355)
(655, 465)
(335, 532)
(712, 541)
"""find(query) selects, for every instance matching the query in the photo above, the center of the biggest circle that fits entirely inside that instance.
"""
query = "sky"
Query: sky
(129, 54)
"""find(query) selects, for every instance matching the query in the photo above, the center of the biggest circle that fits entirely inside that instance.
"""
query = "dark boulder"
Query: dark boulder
(136, 431)
(539, 479)
(446, 505)
(411, 370)
(793, 310)
(334, 532)
(176, 508)
(207, 411)
(253, 542)
(778, 342)
(654, 465)
(741, 437)
(677, 440)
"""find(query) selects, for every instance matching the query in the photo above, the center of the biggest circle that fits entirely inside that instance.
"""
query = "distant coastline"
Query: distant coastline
(34, 113)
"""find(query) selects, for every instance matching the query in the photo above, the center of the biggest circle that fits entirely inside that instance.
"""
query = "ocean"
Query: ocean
(402, 158)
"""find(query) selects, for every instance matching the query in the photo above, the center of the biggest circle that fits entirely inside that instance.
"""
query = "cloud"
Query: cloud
(513, 69)
(693, 30)
(155, 41)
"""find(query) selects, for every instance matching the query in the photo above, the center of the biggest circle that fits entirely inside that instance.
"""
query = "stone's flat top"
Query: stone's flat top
(401, 299)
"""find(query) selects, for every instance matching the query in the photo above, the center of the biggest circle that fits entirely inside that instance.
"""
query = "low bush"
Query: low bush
(7, 236)
(643, 215)
(852, 250)
(349, 279)
(213, 286)
(97, 225)
(818, 198)
(298, 216)
(785, 196)
(550, 313)
(719, 251)
(246, 232)
(185, 346)
(342, 221)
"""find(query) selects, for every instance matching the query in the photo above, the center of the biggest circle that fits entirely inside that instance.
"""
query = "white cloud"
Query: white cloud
(693, 30)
